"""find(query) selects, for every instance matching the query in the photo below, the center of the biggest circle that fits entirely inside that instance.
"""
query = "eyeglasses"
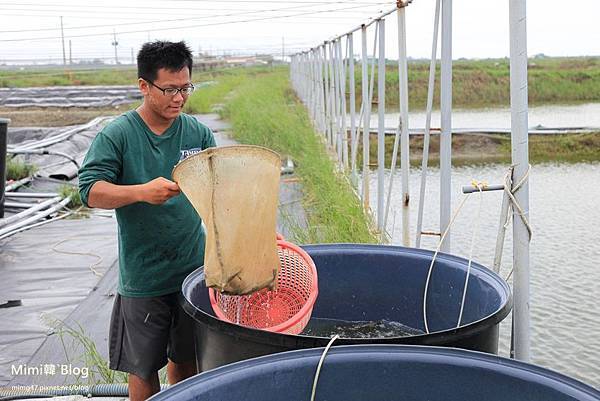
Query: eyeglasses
(185, 91)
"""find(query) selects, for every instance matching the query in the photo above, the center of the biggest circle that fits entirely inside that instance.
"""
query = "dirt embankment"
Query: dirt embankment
(57, 116)
(466, 148)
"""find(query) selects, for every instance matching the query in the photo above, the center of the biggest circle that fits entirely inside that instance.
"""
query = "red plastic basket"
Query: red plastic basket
(284, 310)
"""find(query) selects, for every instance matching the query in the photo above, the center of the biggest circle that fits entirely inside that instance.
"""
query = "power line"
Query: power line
(191, 26)
(110, 15)
(158, 21)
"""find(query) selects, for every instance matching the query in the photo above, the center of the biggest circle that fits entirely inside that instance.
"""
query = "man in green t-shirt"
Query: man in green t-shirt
(161, 239)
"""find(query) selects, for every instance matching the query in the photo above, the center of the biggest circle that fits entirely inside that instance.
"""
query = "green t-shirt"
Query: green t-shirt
(159, 245)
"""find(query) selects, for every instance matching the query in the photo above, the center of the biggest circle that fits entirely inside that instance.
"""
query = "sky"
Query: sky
(30, 29)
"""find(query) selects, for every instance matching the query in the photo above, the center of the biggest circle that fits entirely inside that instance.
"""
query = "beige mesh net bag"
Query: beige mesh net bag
(235, 191)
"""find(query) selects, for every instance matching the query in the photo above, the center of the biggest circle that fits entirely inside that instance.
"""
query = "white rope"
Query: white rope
(511, 195)
(480, 186)
(314, 387)
(513, 204)
(433, 261)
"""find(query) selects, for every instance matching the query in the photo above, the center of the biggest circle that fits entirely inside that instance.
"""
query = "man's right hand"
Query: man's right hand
(105, 195)
(158, 191)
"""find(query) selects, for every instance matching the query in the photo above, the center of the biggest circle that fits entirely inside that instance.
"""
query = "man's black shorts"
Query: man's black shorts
(144, 332)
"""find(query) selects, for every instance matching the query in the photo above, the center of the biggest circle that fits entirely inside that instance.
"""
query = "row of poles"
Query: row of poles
(324, 78)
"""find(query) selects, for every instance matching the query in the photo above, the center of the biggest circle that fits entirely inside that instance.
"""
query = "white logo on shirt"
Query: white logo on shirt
(188, 152)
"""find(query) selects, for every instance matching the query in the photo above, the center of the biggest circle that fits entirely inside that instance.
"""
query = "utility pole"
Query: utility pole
(132, 62)
(115, 44)
(70, 53)
(282, 49)
(62, 35)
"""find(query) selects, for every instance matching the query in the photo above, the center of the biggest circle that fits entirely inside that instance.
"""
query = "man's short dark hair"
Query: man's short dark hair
(172, 56)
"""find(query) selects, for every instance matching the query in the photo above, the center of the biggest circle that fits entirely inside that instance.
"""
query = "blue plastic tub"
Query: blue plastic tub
(381, 372)
(367, 283)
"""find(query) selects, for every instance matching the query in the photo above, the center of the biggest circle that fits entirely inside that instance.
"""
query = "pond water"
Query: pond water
(564, 253)
(555, 116)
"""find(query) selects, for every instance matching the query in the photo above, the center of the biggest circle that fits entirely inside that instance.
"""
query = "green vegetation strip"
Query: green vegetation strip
(264, 111)
(214, 90)
(476, 83)
(486, 83)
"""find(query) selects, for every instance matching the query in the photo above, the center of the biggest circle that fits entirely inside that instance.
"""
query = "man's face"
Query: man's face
(165, 106)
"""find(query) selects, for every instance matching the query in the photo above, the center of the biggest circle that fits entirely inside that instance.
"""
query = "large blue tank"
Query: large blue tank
(381, 372)
(367, 283)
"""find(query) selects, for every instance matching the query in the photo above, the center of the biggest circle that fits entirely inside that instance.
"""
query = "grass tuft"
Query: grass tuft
(17, 169)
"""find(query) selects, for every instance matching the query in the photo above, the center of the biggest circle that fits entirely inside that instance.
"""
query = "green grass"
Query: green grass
(17, 169)
(67, 76)
(476, 83)
(485, 83)
(264, 111)
(73, 192)
(219, 86)
(81, 351)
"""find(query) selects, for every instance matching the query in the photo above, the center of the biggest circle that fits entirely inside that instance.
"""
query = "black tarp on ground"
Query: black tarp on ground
(50, 270)
(69, 96)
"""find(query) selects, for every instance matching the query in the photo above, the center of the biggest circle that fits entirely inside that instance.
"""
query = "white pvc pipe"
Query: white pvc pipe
(446, 124)
(31, 194)
(16, 217)
(381, 127)
(60, 137)
(39, 216)
(14, 185)
(520, 160)
(427, 134)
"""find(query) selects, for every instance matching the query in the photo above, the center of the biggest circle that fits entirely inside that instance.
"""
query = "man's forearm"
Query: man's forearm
(105, 195)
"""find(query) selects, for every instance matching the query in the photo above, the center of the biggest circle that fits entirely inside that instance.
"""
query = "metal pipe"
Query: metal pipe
(381, 126)
(446, 125)
(321, 95)
(343, 129)
(332, 97)
(468, 189)
(520, 161)
(501, 234)
(405, 151)
(427, 134)
(3, 141)
(326, 95)
(366, 106)
(336, 101)
(352, 79)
